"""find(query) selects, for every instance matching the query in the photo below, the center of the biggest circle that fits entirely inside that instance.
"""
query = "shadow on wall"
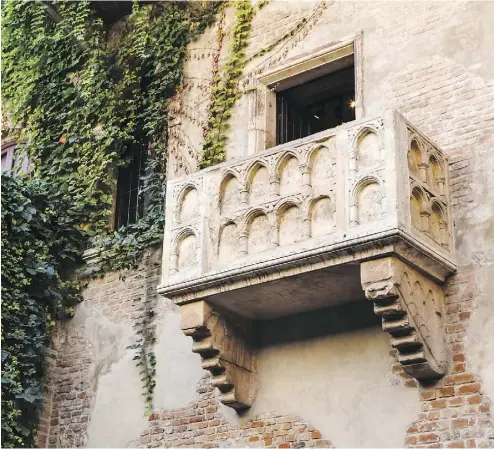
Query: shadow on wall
(339, 319)
(332, 367)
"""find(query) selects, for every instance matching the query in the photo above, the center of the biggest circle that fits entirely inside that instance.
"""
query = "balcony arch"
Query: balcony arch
(289, 222)
(289, 173)
(367, 201)
(228, 242)
(367, 146)
(187, 203)
(419, 208)
(230, 193)
(322, 166)
(322, 211)
(258, 182)
(258, 231)
(184, 256)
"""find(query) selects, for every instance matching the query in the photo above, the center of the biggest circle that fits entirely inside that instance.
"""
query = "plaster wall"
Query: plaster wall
(334, 368)
(310, 365)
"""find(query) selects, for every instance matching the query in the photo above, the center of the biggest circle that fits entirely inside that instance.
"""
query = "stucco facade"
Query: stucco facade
(308, 363)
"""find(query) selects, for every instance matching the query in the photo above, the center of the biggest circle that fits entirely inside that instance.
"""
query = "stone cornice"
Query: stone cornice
(394, 241)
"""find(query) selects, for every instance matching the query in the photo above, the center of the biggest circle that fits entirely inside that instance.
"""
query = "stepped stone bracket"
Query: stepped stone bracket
(411, 308)
(224, 353)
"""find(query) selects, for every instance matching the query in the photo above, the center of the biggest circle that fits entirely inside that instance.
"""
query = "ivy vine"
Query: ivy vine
(40, 246)
(225, 91)
(78, 101)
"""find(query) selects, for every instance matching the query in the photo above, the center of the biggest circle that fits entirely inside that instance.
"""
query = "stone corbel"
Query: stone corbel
(224, 353)
(411, 308)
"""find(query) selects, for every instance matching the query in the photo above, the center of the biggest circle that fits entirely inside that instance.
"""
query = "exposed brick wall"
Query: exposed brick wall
(71, 393)
(201, 424)
(456, 109)
(455, 413)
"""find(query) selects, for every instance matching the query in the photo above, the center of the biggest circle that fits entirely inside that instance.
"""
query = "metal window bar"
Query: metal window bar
(291, 123)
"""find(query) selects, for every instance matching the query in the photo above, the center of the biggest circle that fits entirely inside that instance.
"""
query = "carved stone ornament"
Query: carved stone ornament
(224, 353)
(411, 308)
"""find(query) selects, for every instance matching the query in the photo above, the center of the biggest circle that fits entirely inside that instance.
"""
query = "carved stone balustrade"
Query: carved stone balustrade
(309, 224)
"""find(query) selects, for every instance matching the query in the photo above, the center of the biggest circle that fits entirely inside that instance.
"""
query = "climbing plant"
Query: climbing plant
(78, 100)
(79, 92)
(225, 90)
(40, 244)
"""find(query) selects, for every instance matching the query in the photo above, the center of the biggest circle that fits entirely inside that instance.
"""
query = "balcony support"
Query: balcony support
(224, 353)
(411, 308)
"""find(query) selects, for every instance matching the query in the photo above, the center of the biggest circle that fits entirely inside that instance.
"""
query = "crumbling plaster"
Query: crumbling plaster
(475, 228)
(115, 379)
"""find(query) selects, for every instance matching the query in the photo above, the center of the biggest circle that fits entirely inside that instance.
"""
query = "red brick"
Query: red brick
(475, 399)
(316, 434)
(455, 444)
(427, 395)
(462, 378)
(458, 368)
(453, 308)
(427, 427)
(458, 347)
(455, 402)
(214, 422)
(459, 423)
(428, 438)
(438, 403)
(285, 445)
(484, 408)
(254, 438)
(446, 391)
(458, 357)
(469, 388)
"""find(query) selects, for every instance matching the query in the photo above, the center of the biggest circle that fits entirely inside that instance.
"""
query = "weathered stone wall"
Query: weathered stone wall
(432, 62)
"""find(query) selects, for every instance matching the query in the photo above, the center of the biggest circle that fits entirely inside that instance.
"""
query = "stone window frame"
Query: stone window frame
(262, 98)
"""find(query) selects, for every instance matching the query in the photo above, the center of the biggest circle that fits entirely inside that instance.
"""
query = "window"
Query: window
(316, 105)
(13, 158)
(307, 94)
(130, 199)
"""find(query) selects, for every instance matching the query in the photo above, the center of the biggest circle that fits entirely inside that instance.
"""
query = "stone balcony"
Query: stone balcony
(361, 210)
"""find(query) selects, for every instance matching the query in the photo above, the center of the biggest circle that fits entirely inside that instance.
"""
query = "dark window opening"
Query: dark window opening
(321, 103)
(130, 204)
